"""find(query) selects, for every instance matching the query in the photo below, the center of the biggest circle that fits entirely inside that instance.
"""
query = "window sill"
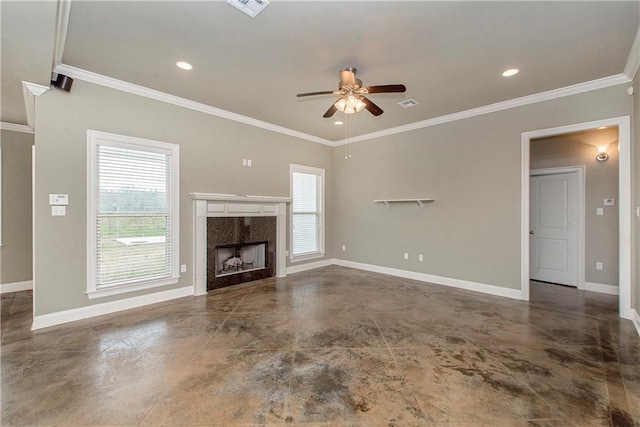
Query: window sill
(306, 257)
(116, 290)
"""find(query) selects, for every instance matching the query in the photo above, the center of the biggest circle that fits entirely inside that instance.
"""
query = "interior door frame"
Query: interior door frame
(580, 171)
(624, 194)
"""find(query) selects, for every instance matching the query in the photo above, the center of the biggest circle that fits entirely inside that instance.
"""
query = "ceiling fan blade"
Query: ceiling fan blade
(324, 92)
(348, 77)
(386, 88)
(373, 108)
(330, 112)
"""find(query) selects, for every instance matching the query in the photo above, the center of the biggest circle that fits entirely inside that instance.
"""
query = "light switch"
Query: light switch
(609, 202)
(58, 199)
(58, 210)
(599, 211)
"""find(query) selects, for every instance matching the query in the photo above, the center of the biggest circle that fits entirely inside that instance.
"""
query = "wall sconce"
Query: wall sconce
(602, 153)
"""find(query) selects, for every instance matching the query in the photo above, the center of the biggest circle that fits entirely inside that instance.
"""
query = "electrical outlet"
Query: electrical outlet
(599, 266)
(599, 211)
(420, 257)
(244, 162)
(183, 268)
(344, 248)
(406, 255)
(249, 162)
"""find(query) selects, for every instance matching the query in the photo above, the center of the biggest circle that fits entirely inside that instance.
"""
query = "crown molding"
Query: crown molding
(492, 108)
(62, 26)
(14, 127)
(134, 89)
(29, 93)
(633, 60)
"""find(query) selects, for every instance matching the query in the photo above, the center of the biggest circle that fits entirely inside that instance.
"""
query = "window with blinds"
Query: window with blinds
(133, 224)
(307, 220)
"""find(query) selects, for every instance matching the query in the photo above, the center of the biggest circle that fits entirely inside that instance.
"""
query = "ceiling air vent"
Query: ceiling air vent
(408, 103)
(250, 7)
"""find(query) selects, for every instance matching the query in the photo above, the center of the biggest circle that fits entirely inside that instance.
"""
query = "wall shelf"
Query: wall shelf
(420, 202)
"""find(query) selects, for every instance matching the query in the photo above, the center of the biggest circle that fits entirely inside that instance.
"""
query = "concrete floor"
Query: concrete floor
(332, 346)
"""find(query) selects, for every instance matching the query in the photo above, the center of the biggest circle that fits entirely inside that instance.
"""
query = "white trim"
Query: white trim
(112, 83)
(624, 183)
(65, 316)
(95, 138)
(492, 108)
(118, 290)
(438, 280)
(635, 318)
(6, 288)
(310, 266)
(238, 198)
(29, 93)
(602, 288)
(581, 172)
(14, 127)
(62, 25)
(633, 60)
(33, 226)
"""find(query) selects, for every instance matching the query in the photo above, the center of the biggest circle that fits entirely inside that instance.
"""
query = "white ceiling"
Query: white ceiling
(449, 54)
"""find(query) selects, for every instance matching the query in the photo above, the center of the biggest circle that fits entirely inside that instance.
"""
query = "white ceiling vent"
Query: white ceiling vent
(408, 103)
(250, 7)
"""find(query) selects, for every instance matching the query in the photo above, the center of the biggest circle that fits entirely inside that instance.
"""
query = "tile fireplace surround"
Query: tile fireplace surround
(211, 205)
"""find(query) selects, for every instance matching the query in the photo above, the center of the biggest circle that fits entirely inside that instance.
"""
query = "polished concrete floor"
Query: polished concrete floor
(329, 347)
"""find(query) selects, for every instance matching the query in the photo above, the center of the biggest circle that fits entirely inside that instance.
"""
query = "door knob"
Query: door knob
(532, 232)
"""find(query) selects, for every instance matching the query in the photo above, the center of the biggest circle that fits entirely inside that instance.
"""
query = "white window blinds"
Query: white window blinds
(307, 220)
(134, 214)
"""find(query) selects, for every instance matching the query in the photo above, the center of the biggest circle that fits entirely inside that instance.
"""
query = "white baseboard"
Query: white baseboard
(310, 266)
(601, 288)
(5, 288)
(635, 318)
(439, 280)
(57, 318)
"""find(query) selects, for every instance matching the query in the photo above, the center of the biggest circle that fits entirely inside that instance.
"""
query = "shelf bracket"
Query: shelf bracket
(386, 203)
(419, 202)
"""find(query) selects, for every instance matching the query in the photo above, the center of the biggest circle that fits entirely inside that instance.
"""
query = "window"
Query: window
(133, 213)
(307, 217)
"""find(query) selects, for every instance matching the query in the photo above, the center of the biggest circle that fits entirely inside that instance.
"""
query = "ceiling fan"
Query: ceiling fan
(352, 94)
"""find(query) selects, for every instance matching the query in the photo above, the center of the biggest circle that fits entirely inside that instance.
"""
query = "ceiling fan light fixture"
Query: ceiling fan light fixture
(349, 104)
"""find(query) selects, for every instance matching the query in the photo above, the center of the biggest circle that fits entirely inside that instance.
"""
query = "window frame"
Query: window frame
(94, 139)
(320, 173)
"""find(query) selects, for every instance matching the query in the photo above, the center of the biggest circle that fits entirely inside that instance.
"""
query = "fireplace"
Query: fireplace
(237, 239)
(240, 258)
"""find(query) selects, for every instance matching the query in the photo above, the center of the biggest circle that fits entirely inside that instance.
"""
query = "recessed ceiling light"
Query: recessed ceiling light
(338, 123)
(184, 65)
(602, 127)
(510, 72)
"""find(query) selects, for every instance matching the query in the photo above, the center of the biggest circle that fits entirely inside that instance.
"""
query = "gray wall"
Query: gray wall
(16, 260)
(601, 182)
(211, 153)
(472, 168)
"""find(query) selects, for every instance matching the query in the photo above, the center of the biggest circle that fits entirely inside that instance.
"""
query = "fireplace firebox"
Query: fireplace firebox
(240, 257)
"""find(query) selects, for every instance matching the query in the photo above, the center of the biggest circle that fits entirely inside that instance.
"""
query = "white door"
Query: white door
(554, 228)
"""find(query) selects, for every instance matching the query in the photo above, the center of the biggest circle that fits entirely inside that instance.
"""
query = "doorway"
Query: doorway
(624, 202)
(556, 221)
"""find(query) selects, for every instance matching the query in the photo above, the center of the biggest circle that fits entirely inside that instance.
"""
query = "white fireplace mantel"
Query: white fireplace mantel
(232, 205)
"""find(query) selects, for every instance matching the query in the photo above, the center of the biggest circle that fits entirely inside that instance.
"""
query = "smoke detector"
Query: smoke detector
(408, 103)
(250, 7)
